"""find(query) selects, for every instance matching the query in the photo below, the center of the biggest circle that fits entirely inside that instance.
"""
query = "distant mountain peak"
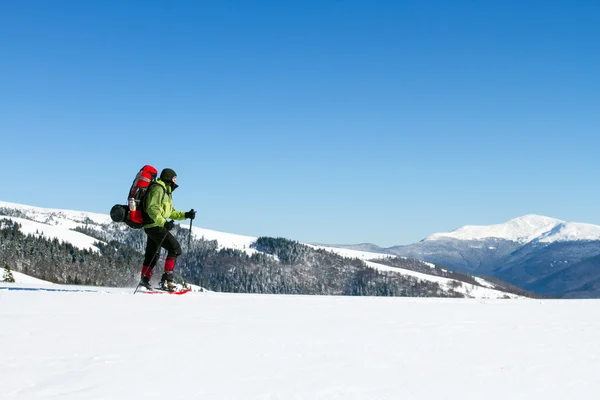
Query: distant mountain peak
(534, 220)
(522, 230)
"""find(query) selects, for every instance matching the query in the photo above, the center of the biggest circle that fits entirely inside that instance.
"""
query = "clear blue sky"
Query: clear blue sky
(331, 121)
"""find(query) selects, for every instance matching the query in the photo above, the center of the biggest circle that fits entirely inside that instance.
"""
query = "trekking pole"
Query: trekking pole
(153, 257)
(187, 256)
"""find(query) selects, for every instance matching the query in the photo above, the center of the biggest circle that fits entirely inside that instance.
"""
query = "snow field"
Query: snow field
(231, 346)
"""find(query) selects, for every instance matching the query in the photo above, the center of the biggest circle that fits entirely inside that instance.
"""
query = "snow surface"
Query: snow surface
(26, 279)
(526, 229)
(80, 346)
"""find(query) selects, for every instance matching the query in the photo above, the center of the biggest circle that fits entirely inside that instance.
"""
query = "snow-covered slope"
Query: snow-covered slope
(58, 231)
(226, 240)
(79, 346)
(526, 229)
(57, 223)
(485, 291)
(26, 279)
(571, 231)
(54, 223)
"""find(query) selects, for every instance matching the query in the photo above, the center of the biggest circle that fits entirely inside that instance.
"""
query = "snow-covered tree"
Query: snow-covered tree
(8, 276)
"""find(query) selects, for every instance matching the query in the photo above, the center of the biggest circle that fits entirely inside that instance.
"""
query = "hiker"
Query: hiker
(158, 206)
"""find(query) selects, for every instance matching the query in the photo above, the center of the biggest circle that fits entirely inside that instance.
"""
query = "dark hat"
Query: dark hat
(167, 175)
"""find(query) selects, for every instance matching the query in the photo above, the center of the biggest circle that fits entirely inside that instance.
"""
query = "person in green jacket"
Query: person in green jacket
(158, 208)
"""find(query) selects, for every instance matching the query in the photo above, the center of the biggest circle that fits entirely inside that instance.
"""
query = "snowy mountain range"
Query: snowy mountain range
(541, 254)
(525, 229)
(60, 225)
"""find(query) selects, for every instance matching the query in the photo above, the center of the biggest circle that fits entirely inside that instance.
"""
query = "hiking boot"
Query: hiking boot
(166, 282)
(145, 282)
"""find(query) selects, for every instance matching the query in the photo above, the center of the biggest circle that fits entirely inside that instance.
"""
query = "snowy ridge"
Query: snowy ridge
(571, 231)
(525, 229)
(66, 219)
(348, 253)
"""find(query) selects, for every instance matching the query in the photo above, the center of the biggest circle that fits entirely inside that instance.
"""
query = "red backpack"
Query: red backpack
(133, 214)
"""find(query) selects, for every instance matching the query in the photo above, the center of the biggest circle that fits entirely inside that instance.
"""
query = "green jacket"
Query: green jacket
(159, 205)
